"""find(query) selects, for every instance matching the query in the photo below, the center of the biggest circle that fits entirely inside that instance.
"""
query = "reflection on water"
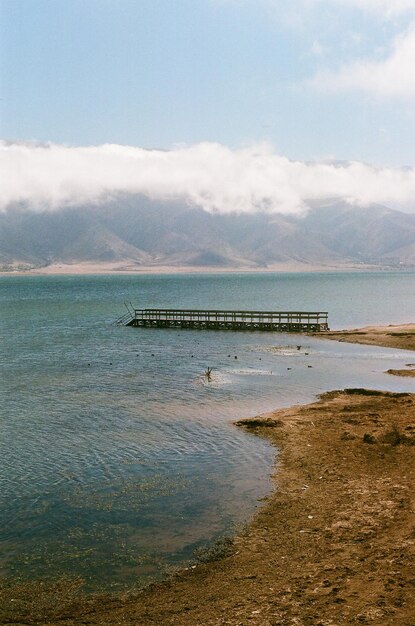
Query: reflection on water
(118, 457)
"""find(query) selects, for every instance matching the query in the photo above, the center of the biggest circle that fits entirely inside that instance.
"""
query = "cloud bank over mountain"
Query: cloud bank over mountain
(211, 176)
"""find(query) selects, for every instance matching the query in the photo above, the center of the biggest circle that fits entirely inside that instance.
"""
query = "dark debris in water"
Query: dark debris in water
(221, 549)
(252, 424)
(373, 392)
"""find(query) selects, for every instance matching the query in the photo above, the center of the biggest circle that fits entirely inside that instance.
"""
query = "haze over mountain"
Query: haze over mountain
(134, 232)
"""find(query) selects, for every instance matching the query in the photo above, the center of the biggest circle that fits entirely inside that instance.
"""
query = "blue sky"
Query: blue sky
(231, 105)
(160, 73)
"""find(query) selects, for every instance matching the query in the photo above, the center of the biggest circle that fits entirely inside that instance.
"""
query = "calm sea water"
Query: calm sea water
(117, 459)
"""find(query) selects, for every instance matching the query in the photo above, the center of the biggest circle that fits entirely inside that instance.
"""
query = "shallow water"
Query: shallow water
(118, 459)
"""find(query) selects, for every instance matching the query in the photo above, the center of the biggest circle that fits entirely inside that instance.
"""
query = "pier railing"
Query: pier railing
(283, 321)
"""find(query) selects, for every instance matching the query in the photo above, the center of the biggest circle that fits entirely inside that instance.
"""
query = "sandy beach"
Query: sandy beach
(333, 544)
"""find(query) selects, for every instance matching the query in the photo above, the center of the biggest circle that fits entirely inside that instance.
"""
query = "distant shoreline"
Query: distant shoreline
(333, 543)
(124, 268)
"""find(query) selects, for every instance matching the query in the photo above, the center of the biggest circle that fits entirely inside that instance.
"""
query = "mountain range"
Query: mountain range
(138, 232)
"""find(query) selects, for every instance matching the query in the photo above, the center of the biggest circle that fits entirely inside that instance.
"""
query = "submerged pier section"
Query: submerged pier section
(281, 321)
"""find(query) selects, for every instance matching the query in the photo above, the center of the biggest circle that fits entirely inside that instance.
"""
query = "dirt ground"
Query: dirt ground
(334, 543)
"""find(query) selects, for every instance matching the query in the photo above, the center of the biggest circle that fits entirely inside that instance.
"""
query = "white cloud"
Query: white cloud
(392, 77)
(318, 49)
(209, 175)
(384, 7)
(390, 74)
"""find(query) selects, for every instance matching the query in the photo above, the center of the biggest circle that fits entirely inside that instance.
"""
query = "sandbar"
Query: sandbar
(400, 336)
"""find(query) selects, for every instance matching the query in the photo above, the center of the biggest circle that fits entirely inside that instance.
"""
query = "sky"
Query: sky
(258, 84)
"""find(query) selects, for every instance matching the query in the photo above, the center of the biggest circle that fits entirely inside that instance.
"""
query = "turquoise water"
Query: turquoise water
(118, 459)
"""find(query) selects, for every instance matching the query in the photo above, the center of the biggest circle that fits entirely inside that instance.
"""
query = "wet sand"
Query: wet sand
(334, 543)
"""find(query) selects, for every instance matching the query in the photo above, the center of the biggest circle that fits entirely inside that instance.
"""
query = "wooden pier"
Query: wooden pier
(281, 321)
